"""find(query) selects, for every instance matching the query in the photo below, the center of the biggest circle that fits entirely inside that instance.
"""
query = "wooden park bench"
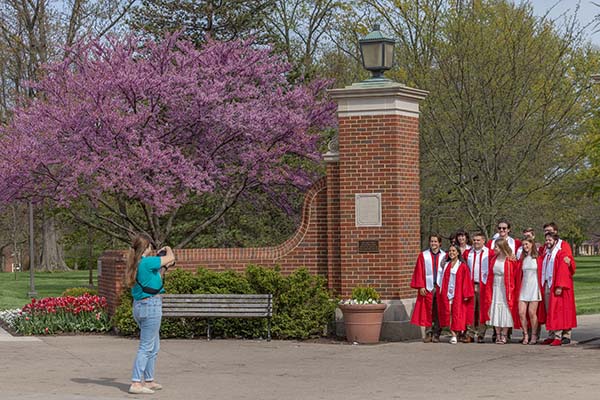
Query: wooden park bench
(219, 306)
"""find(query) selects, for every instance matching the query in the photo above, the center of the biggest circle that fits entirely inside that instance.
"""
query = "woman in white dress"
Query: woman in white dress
(529, 294)
(502, 305)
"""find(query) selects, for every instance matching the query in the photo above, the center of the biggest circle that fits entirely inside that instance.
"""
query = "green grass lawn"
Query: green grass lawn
(587, 285)
(13, 293)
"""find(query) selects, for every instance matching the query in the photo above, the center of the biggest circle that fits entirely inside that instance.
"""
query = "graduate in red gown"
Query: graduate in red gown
(503, 228)
(424, 278)
(568, 258)
(455, 294)
(558, 295)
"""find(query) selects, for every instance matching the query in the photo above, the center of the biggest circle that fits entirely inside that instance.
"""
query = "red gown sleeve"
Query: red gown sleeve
(418, 277)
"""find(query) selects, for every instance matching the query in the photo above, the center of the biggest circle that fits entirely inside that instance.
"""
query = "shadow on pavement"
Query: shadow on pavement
(111, 382)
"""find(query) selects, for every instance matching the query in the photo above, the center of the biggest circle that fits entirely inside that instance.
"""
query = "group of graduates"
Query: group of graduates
(503, 282)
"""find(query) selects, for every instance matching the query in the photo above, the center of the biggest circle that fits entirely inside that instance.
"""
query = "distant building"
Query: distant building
(590, 247)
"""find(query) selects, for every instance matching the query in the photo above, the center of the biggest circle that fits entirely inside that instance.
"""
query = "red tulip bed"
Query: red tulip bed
(51, 315)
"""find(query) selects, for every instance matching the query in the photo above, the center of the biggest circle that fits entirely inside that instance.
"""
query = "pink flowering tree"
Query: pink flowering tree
(126, 133)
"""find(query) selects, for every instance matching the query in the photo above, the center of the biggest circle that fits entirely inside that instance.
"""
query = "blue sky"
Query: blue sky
(587, 12)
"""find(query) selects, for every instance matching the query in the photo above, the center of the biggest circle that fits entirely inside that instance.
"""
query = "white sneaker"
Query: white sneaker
(140, 390)
(453, 340)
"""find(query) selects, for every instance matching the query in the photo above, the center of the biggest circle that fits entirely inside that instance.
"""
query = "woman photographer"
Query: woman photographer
(142, 275)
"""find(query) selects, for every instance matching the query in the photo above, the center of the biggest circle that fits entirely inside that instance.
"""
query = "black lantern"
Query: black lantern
(377, 52)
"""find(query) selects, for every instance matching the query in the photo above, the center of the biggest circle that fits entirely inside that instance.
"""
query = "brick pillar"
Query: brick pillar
(111, 274)
(379, 194)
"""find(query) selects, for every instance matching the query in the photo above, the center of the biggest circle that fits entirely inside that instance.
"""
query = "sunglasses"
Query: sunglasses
(502, 228)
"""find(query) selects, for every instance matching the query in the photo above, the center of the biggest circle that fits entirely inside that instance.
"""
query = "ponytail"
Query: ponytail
(134, 255)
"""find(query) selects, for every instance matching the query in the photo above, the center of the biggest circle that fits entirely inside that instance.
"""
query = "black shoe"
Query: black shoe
(565, 340)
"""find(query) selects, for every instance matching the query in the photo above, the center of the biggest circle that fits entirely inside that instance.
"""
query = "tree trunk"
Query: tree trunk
(52, 254)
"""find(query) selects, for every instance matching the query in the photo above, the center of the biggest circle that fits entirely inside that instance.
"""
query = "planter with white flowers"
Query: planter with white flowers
(363, 315)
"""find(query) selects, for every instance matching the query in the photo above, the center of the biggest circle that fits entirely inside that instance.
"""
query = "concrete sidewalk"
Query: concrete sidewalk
(99, 367)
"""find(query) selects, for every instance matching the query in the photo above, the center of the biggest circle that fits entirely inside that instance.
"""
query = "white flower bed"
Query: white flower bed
(9, 316)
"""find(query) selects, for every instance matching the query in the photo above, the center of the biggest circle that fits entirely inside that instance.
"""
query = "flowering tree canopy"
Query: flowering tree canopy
(139, 129)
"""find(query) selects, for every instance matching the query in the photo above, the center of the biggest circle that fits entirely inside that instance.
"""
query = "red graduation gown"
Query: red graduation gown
(561, 312)
(459, 309)
(423, 312)
(512, 298)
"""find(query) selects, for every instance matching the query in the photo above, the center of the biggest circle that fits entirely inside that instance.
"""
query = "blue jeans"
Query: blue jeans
(147, 313)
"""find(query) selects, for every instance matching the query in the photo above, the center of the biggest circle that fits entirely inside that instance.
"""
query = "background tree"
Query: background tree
(144, 132)
(505, 104)
(33, 32)
(195, 20)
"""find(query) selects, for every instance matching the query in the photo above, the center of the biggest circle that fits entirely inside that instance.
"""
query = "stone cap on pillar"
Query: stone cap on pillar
(378, 97)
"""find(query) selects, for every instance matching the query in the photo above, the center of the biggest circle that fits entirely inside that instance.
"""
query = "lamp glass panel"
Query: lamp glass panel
(371, 55)
(389, 55)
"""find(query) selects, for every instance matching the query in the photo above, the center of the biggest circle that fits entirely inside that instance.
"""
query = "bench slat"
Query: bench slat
(212, 301)
(218, 309)
(217, 305)
(222, 315)
(217, 296)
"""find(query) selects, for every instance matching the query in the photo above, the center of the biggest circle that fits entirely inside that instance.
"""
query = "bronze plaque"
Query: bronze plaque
(368, 246)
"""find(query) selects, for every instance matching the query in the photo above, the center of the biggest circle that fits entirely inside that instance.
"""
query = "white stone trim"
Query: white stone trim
(384, 98)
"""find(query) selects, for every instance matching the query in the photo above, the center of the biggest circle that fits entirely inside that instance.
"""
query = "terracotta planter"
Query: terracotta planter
(363, 321)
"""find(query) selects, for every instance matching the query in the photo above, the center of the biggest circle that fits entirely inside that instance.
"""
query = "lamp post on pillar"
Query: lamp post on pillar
(374, 230)
(377, 53)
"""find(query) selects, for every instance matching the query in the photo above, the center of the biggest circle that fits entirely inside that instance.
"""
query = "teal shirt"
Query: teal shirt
(148, 274)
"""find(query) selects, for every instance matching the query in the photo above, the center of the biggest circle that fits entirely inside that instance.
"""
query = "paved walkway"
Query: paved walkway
(98, 367)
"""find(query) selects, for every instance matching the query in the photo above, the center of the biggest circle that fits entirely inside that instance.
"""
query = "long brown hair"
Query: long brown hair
(502, 244)
(533, 253)
(138, 246)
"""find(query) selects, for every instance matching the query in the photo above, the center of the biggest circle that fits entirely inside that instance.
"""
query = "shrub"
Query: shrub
(301, 304)
(63, 314)
(122, 320)
(79, 291)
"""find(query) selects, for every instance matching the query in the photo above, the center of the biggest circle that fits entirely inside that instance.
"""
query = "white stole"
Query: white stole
(484, 264)
(548, 265)
(452, 280)
(429, 267)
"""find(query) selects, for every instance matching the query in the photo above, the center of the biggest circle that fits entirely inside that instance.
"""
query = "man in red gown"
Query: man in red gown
(429, 264)
(558, 295)
(563, 245)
